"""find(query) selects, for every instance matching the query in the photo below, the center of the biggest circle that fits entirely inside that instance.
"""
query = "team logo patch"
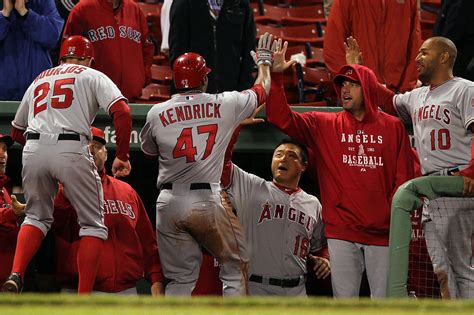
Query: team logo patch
(348, 72)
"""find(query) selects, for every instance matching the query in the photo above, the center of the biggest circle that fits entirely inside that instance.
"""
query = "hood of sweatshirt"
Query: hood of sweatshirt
(368, 81)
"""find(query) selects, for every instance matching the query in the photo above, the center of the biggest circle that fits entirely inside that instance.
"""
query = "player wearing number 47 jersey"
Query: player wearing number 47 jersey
(190, 134)
(56, 112)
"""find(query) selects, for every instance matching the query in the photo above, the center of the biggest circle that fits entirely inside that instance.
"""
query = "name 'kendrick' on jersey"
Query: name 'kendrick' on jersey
(188, 112)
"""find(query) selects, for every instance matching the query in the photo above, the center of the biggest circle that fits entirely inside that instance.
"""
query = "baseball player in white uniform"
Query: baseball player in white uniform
(442, 114)
(282, 223)
(189, 134)
(55, 115)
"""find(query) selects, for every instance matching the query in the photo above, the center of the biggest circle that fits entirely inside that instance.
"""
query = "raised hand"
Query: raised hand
(7, 8)
(20, 7)
(279, 62)
(353, 53)
(265, 48)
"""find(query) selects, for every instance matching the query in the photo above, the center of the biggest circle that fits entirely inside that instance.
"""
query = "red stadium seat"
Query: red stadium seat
(293, 34)
(155, 92)
(314, 55)
(289, 15)
(161, 74)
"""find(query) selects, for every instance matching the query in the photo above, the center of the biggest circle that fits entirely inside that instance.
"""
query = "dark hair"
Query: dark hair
(303, 148)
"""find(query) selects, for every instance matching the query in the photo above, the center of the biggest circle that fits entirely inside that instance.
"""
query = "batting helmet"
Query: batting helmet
(189, 70)
(76, 47)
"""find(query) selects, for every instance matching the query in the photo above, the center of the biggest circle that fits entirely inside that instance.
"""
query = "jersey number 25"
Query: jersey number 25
(62, 95)
(184, 145)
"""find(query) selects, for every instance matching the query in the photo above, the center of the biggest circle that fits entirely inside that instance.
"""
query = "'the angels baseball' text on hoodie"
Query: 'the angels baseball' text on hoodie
(359, 164)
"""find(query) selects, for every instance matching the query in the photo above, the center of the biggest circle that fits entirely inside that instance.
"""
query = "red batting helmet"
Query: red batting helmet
(76, 47)
(189, 70)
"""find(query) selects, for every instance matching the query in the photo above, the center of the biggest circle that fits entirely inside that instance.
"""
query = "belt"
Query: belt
(193, 186)
(444, 172)
(284, 283)
(62, 136)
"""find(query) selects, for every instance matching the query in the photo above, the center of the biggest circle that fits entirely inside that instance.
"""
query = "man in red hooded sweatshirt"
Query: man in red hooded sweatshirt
(361, 156)
(130, 251)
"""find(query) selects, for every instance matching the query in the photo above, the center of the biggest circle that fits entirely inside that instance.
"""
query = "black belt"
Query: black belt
(193, 186)
(62, 136)
(284, 283)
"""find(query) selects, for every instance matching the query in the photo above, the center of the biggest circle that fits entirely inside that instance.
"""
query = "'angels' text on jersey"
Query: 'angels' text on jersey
(118, 207)
(292, 214)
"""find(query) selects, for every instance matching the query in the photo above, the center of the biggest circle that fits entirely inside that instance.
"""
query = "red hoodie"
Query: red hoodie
(359, 164)
(388, 33)
(130, 252)
(121, 42)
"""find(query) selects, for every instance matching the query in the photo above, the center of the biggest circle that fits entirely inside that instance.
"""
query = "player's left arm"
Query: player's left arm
(151, 258)
(44, 25)
(147, 140)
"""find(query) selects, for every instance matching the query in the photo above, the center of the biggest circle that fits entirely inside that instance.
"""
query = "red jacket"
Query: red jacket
(129, 253)
(9, 229)
(359, 164)
(121, 42)
(388, 33)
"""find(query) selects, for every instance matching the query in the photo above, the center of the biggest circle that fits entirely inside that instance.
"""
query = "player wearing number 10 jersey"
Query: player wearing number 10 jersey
(189, 134)
(442, 114)
(55, 114)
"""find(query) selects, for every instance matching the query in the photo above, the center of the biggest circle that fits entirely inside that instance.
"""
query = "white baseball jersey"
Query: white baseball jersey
(65, 99)
(191, 131)
(441, 117)
(280, 228)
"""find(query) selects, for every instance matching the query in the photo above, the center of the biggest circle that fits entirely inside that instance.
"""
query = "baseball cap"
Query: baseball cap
(7, 139)
(98, 135)
(346, 73)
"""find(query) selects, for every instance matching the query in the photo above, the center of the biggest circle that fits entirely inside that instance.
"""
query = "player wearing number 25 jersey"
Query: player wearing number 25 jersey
(56, 112)
(189, 134)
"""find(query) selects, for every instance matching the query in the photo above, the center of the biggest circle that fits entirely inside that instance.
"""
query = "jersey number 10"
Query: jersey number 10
(184, 144)
(440, 139)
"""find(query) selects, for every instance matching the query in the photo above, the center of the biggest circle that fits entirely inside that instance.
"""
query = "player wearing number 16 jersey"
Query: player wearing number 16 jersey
(189, 134)
(56, 113)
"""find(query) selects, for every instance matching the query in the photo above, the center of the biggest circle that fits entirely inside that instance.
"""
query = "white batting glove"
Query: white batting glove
(265, 50)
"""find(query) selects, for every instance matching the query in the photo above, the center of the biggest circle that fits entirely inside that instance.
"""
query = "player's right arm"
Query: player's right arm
(298, 126)
(20, 122)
